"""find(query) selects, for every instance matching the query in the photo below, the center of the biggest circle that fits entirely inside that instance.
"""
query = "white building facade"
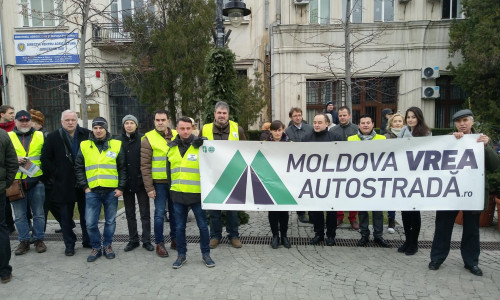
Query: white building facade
(298, 46)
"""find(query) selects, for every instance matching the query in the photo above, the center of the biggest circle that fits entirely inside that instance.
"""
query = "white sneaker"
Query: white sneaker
(391, 230)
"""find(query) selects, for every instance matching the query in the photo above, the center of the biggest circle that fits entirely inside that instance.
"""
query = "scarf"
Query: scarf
(366, 137)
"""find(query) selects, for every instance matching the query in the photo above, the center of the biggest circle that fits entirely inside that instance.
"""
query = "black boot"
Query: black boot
(413, 246)
(285, 242)
(403, 247)
(275, 242)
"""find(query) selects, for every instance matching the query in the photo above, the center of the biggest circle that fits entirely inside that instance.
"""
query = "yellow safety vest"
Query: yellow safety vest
(208, 131)
(160, 149)
(34, 151)
(100, 167)
(185, 171)
(356, 137)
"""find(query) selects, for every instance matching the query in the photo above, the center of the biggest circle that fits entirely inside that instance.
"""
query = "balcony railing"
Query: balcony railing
(104, 33)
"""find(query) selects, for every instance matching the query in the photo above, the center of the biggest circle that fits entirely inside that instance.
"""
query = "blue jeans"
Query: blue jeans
(36, 198)
(162, 198)
(216, 224)
(181, 213)
(93, 209)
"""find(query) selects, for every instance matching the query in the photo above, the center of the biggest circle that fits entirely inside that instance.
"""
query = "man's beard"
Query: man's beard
(24, 130)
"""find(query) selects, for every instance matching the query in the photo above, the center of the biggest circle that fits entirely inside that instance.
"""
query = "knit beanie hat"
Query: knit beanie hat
(130, 118)
(100, 121)
(37, 116)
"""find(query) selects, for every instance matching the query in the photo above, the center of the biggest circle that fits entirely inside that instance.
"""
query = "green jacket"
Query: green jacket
(8, 161)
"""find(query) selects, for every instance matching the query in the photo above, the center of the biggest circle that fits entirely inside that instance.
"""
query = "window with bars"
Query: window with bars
(41, 13)
(122, 103)
(48, 93)
(384, 10)
(369, 96)
(319, 12)
(121, 9)
(451, 9)
(451, 99)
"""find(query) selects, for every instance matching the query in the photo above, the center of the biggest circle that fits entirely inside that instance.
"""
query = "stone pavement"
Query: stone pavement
(257, 271)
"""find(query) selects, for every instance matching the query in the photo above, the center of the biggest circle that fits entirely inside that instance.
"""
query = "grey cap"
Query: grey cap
(100, 121)
(462, 113)
(130, 118)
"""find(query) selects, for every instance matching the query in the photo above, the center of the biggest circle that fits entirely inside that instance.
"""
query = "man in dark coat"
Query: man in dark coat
(445, 219)
(58, 159)
(8, 170)
(131, 144)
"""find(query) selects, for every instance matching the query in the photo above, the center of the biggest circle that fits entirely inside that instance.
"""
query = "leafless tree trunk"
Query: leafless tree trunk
(347, 51)
(83, 39)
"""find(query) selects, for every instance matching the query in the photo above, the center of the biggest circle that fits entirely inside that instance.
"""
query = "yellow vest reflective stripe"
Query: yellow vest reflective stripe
(185, 171)
(100, 167)
(208, 131)
(356, 137)
(35, 151)
(159, 159)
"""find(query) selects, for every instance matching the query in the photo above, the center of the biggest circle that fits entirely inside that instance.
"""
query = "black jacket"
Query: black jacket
(102, 145)
(131, 146)
(322, 136)
(342, 132)
(58, 163)
(8, 161)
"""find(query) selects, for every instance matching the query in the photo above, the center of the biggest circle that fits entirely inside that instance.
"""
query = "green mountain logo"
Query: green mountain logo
(267, 187)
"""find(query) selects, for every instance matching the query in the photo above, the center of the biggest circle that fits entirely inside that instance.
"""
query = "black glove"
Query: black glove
(197, 143)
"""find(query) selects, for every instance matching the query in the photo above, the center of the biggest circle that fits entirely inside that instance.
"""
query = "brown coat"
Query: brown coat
(147, 158)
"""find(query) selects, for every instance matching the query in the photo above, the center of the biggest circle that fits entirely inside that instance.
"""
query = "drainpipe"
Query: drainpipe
(273, 25)
(4, 73)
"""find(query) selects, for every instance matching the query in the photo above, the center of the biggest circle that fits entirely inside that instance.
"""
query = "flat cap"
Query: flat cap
(462, 113)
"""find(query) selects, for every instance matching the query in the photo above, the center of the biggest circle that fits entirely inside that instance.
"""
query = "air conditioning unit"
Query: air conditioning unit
(300, 2)
(430, 92)
(429, 72)
(404, 1)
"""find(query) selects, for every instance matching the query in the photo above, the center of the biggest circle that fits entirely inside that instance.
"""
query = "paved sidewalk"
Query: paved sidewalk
(257, 271)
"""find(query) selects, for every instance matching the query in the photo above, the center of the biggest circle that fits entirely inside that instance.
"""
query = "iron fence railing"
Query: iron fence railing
(110, 32)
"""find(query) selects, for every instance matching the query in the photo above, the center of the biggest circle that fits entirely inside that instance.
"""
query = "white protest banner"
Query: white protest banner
(424, 173)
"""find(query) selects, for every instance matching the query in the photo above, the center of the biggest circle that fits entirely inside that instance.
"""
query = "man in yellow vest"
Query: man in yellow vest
(28, 144)
(154, 150)
(223, 129)
(101, 172)
(183, 158)
(366, 133)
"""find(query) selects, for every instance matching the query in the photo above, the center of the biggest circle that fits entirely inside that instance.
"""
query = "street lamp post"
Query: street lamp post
(235, 10)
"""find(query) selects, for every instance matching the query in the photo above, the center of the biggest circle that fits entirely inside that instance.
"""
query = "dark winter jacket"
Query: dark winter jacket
(102, 145)
(322, 136)
(297, 135)
(383, 125)
(131, 147)
(8, 161)
(342, 132)
(58, 162)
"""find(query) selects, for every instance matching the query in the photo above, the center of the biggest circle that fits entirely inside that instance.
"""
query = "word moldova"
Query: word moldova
(419, 177)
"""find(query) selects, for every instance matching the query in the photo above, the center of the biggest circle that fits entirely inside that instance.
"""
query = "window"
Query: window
(451, 9)
(356, 11)
(384, 10)
(121, 9)
(451, 99)
(49, 94)
(319, 11)
(36, 13)
(123, 103)
(372, 95)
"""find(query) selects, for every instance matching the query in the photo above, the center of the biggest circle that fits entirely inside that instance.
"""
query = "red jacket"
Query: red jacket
(9, 126)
